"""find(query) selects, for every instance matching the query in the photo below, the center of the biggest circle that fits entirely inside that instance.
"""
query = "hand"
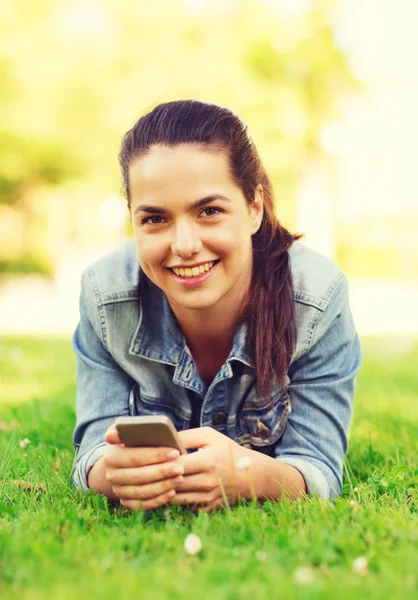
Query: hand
(211, 474)
(142, 478)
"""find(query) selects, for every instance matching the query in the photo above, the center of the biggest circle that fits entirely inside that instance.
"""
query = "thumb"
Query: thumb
(196, 438)
(112, 436)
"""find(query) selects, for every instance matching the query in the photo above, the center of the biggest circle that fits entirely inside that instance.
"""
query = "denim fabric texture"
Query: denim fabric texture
(132, 359)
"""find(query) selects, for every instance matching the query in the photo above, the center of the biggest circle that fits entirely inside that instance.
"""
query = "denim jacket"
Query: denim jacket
(132, 359)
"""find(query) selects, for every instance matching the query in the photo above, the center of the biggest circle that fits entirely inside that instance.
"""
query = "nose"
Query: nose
(186, 242)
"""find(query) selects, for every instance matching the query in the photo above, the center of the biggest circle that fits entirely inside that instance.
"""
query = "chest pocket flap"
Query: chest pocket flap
(261, 423)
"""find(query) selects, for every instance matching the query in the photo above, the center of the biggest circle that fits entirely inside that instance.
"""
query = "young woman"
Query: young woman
(217, 317)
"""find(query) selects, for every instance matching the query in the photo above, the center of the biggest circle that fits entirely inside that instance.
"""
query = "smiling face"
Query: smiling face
(187, 213)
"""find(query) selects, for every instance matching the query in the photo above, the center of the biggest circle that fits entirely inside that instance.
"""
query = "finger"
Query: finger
(148, 504)
(112, 436)
(211, 507)
(198, 437)
(145, 492)
(191, 498)
(204, 486)
(197, 462)
(202, 482)
(144, 475)
(118, 456)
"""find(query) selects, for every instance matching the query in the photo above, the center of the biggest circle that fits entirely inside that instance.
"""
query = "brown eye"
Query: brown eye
(155, 220)
(215, 211)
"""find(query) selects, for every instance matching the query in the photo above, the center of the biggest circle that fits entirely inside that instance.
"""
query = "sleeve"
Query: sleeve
(102, 387)
(321, 391)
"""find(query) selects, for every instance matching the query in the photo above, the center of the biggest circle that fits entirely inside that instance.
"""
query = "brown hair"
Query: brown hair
(269, 311)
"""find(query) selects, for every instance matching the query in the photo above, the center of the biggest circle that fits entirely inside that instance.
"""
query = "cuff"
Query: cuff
(316, 483)
(84, 464)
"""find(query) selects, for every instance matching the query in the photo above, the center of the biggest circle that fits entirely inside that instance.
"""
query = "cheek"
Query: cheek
(235, 246)
(233, 239)
(150, 251)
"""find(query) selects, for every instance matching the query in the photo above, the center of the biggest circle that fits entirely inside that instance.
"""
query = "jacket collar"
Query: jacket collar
(158, 336)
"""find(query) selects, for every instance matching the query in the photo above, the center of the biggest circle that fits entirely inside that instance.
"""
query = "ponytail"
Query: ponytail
(270, 308)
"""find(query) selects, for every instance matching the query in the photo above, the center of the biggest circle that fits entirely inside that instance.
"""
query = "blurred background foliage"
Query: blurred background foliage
(76, 75)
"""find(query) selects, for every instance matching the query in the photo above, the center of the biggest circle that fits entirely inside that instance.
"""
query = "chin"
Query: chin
(196, 303)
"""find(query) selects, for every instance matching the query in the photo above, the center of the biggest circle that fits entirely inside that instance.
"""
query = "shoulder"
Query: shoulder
(320, 291)
(115, 276)
(316, 278)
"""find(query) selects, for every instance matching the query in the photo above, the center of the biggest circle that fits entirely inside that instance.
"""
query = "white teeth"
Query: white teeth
(187, 272)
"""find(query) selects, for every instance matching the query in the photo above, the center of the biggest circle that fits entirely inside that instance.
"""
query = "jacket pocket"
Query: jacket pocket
(261, 426)
(146, 406)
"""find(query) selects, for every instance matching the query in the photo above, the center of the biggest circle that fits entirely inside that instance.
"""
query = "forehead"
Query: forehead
(186, 167)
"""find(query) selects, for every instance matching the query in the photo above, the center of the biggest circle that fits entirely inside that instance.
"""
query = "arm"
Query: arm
(321, 389)
(270, 479)
(97, 480)
(213, 476)
(138, 477)
(103, 390)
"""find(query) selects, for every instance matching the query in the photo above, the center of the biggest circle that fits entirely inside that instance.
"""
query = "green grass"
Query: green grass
(57, 543)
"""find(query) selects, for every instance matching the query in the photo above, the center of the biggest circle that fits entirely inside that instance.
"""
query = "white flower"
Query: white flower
(303, 575)
(355, 489)
(360, 565)
(24, 443)
(355, 505)
(244, 463)
(192, 544)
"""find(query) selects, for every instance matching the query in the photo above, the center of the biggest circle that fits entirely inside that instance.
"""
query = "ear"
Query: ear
(256, 209)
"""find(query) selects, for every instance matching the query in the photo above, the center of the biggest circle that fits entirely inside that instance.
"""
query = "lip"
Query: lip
(194, 281)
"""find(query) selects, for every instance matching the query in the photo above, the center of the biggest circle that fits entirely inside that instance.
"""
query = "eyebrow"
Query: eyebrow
(193, 206)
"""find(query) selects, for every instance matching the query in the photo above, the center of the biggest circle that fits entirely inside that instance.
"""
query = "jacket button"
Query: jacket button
(263, 430)
(188, 375)
(219, 418)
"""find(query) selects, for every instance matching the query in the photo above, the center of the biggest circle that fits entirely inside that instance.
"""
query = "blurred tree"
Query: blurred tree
(302, 78)
(77, 73)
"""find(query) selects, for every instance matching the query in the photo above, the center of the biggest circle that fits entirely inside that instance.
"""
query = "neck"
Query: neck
(209, 329)
(213, 328)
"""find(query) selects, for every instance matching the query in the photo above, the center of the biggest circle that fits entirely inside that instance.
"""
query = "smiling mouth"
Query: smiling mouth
(189, 273)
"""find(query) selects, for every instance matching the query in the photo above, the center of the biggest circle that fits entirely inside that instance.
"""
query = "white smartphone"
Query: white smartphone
(151, 431)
